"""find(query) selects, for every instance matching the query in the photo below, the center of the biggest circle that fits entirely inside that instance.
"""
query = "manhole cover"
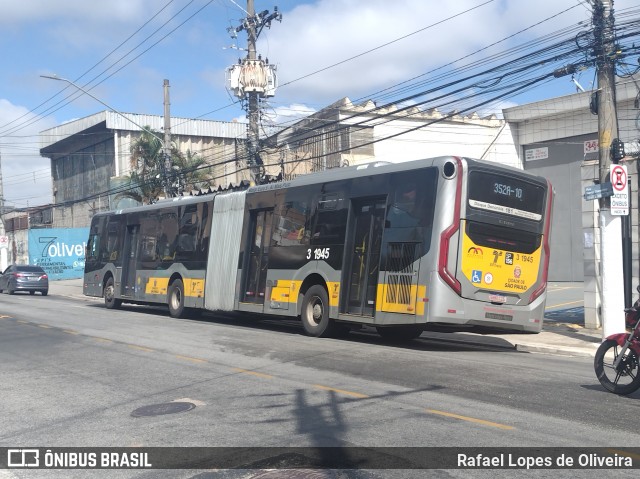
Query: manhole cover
(164, 408)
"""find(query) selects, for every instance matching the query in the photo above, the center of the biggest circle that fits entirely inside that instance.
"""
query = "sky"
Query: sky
(325, 50)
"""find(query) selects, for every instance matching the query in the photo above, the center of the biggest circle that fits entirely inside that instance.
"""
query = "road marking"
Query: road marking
(70, 331)
(44, 326)
(563, 304)
(192, 401)
(188, 358)
(469, 419)
(561, 288)
(340, 391)
(22, 321)
(253, 373)
(4, 316)
(102, 340)
(141, 348)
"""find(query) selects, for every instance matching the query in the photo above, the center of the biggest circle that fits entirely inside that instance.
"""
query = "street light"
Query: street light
(167, 164)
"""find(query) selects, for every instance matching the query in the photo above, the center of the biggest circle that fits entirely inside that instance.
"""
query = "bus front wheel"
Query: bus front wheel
(315, 312)
(176, 299)
(110, 300)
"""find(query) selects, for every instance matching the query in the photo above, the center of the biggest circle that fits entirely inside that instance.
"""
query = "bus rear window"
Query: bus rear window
(499, 237)
(505, 194)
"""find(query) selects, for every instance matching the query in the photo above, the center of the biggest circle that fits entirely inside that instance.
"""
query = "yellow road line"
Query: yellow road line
(4, 316)
(561, 288)
(70, 331)
(563, 304)
(22, 321)
(140, 348)
(102, 340)
(469, 419)
(188, 358)
(44, 326)
(253, 373)
(341, 391)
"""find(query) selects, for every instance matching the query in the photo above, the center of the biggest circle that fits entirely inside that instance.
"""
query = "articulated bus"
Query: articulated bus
(401, 247)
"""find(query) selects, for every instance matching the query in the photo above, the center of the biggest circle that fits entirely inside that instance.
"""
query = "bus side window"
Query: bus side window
(289, 228)
(188, 233)
(93, 247)
(167, 242)
(330, 220)
(110, 250)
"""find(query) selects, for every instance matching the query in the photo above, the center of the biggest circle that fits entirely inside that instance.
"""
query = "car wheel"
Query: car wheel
(11, 291)
(32, 293)
(44, 292)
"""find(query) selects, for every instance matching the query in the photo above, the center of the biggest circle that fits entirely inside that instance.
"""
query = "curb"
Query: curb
(568, 351)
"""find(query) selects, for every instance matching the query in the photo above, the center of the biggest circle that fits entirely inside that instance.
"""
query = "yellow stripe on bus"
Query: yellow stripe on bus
(157, 286)
(286, 291)
(413, 304)
(192, 287)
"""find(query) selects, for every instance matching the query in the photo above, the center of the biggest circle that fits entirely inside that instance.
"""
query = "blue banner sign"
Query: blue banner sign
(59, 251)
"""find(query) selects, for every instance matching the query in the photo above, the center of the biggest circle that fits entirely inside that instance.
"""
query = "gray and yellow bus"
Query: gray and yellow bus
(400, 247)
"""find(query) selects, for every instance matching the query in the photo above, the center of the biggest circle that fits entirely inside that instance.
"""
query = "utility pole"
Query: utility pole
(253, 78)
(612, 276)
(3, 229)
(254, 108)
(168, 164)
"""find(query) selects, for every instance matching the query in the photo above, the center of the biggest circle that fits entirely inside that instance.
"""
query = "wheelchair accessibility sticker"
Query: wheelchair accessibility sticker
(476, 276)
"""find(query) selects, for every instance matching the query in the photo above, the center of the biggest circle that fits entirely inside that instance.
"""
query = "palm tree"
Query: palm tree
(147, 167)
(148, 173)
(192, 171)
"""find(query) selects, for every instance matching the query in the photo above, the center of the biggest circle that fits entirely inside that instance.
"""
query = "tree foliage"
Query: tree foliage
(148, 170)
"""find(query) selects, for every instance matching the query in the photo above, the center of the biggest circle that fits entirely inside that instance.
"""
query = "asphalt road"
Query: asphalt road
(73, 373)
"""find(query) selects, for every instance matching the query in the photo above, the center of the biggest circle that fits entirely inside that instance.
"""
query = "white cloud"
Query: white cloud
(26, 176)
(79, 10)
(314, 36)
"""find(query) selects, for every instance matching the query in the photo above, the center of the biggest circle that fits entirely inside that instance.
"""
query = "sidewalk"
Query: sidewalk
(562, 333)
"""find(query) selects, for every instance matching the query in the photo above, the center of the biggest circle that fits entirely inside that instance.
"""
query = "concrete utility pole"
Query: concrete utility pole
(254, 109)
(168, 164)
(253, 78)
(610, 226)
(3, 229)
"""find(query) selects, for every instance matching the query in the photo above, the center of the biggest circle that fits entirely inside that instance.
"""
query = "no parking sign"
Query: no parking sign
(620, 198)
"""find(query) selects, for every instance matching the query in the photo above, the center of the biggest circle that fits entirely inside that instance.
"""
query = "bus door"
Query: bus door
(363, 255)
(130, 259)
(259, 239)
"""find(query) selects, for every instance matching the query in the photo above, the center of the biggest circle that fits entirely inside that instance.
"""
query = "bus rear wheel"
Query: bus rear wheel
(176, 299)
(315, 313)
(110, 300)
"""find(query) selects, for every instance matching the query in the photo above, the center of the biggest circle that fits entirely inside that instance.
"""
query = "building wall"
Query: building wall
(100, 167)
(490, 141)
(563, 125)
(559, 161)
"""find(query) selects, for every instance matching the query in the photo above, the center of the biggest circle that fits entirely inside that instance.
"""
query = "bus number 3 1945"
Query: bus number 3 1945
(318, 253)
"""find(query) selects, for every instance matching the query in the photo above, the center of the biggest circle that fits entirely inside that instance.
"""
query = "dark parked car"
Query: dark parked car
(23, 277)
